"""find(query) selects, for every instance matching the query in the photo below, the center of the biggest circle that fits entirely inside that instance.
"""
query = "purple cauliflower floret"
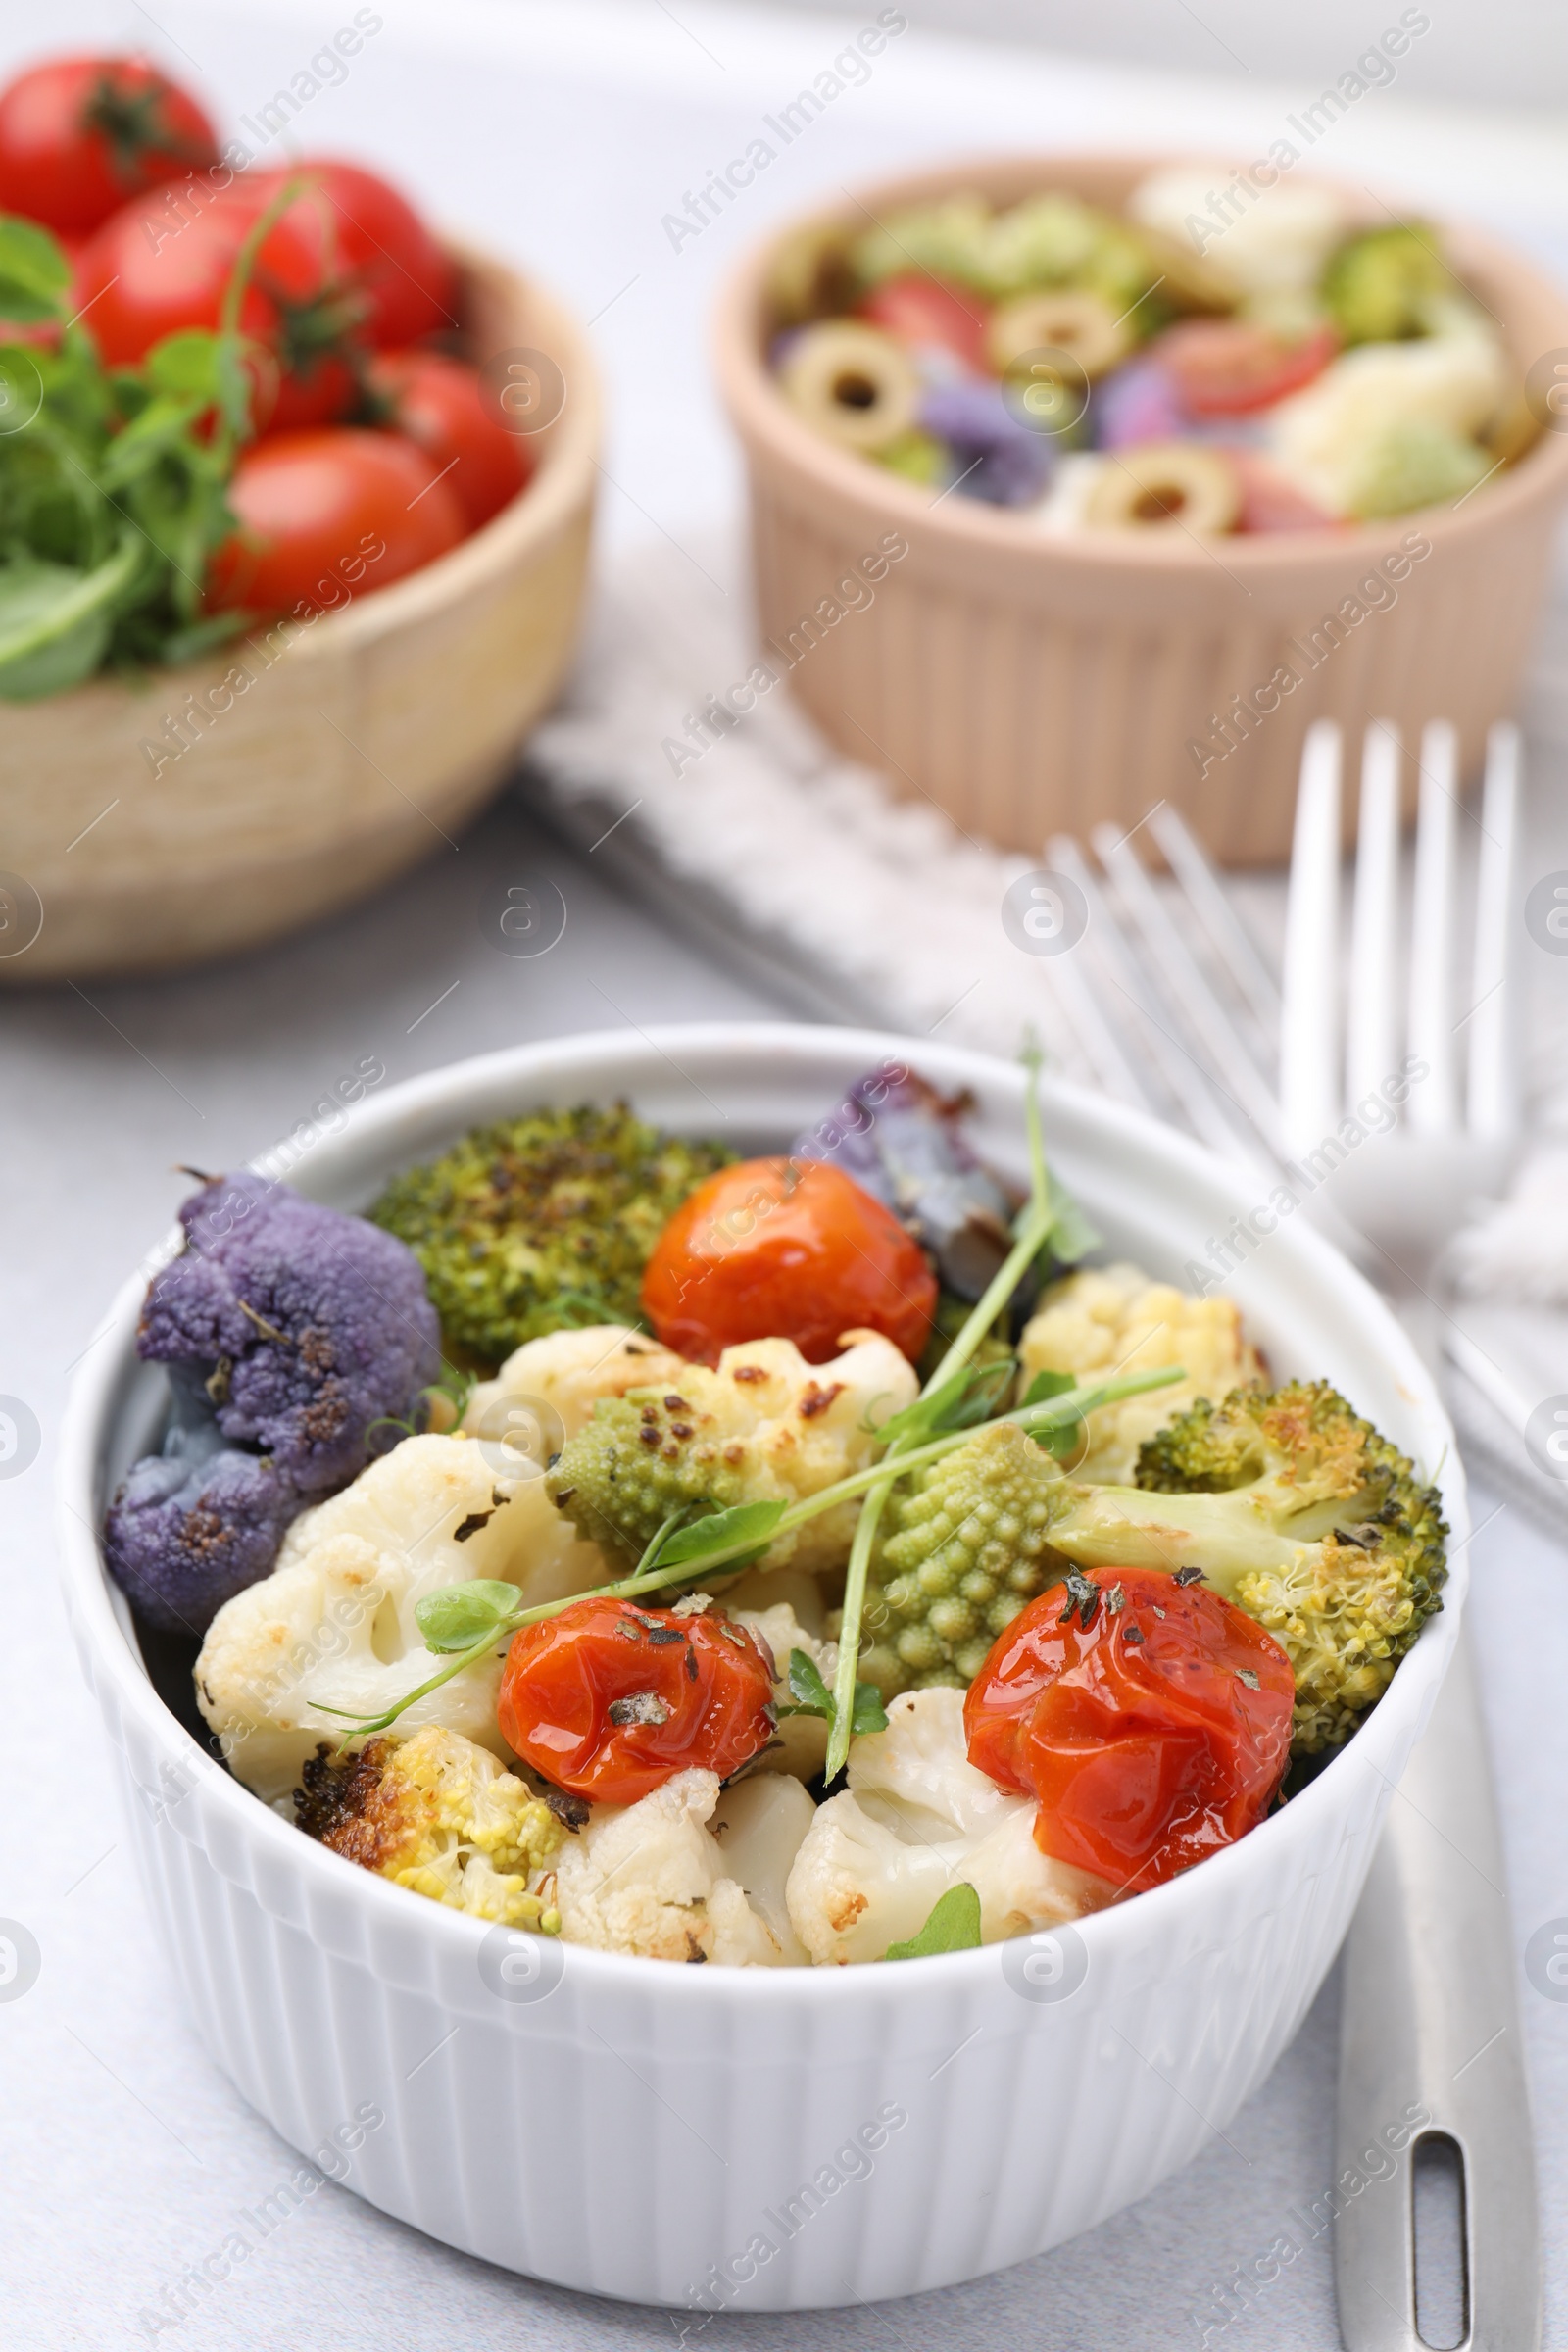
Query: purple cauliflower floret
(194, 1525)
(288, 1329)
(1139, 404)
(1008, 462)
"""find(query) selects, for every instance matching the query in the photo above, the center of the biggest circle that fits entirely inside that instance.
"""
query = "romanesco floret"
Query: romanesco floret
(971, 1545)
(762, 1426)
(440, 1815)
(541, 1222)
(1296, 1509)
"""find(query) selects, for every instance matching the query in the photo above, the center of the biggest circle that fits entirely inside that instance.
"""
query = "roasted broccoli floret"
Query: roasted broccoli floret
(540, 1223)
(1379, 288)
(289, 1330)
(1296, 1509)
(440, 1815)
(764, 1426)
(968, 1545)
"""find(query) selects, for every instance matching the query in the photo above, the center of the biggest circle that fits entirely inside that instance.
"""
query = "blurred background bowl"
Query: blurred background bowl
(1027, 683)
(358, 746)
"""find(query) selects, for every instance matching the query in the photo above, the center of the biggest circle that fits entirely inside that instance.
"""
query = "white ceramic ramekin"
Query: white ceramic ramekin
(755, 2139)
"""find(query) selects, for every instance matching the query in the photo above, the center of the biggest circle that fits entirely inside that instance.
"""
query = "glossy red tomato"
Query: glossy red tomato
(373, 244)
(610, 1700)
(1228, 366)
(80, 135)
(444, 407)
(1152, 1737)
(327, 515)
(785, 1249)
(162, 264)
(922, 310)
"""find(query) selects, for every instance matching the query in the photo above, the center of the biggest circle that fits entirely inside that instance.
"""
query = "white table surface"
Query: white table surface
(563, 135)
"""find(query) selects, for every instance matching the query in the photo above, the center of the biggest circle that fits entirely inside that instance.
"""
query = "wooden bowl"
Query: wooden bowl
(1028, 684)
(354, 747)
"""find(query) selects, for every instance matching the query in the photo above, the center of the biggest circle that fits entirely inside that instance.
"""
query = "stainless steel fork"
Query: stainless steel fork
(1360, 1107)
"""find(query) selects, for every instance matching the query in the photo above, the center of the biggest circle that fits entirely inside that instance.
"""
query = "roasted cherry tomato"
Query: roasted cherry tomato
(328, 515)
(162, 264)
(373, 247)
(1227, 366)
(610, 1700)
(922, 310)
(785, 1249)
(443, 406)
(1152, 1735)
(82, 135)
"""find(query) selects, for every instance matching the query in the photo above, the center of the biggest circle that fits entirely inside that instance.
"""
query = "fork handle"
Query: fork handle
(1430, 2035)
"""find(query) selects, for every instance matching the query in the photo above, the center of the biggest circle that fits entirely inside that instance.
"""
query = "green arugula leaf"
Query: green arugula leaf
(808, 1686)
(35, 272)
(953, 1927)
(748, 1523)
(814, 1697)
(55, 622)
(1046, 1385)
(960, 1402)
(868, 1714)
(1071, 1236)
(459, 1615)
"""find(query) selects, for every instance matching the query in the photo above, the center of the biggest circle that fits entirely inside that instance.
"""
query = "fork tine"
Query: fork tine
(1309, 1066)
(1189, 861)
(1433, 1102)
(1206, 1113)
(1095, 1035)
(1207, 1021)
(1371, 1046)
(1493, 1091)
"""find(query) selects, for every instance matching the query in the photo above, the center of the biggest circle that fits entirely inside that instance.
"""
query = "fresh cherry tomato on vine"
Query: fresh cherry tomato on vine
(372, 245)
(1228, 366)
(80, 136)
(610, 1700)
(328, 515)
(164, 263)
(1152, 1735)
(444, 407)
(922, 310)
(785, 1249)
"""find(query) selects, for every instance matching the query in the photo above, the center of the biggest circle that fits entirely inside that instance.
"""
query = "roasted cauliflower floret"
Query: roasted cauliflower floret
(967, 1545)
(652, 1879)
(763, 1426)
(1107, 1319)
(799, 1744)
(918, 1819)
(333, 1626)
(1369, 416)
(570, 1371)
(439, 1814)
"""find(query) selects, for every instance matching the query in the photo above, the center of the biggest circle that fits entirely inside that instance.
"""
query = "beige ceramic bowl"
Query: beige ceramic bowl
(1028, 684)
(358, 745)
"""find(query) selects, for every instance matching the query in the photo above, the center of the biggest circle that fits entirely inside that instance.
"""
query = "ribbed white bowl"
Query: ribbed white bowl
(646, 2130)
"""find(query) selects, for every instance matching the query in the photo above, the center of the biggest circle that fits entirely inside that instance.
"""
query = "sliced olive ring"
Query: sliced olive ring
(1080, 324)
(1167, 483)
(853, 384)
